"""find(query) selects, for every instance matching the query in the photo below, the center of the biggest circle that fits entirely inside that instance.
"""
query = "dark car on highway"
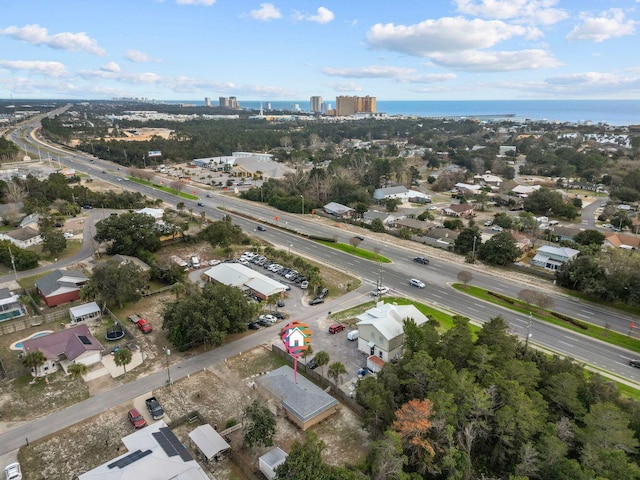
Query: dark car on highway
(634, 363)
(260, 228)
(316, 301)
(422, 260)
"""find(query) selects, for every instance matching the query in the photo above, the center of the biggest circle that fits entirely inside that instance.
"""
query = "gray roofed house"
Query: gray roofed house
(64, 348)
(135, 260)
(385, 217)
(153, 452)
(338, 210)
(270, 461)
(389, 192)
(30, 220)
(563, 233)
(61, 286)
(305, 403)
(22, 237)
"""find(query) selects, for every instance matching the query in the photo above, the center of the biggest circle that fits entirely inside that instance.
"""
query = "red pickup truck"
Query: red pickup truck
(144, 326)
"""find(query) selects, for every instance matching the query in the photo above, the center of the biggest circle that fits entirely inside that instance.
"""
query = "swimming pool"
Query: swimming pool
(18, 345)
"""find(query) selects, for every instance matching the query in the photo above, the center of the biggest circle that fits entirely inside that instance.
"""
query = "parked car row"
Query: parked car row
(248, 258)
(266, 320)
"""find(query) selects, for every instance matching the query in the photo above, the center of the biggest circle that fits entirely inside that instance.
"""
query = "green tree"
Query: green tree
(128, 233)
(122, 358)
(259, 425)
(34, 360)
(322, 359)
(391, 204)
(589, 237)
(305, 460)
(467, 240)
(386, 458)
(336, 370)
(53, 241)
(115, 283)
(501, 249)
(377, 226)
(206, 316)
(77, 370)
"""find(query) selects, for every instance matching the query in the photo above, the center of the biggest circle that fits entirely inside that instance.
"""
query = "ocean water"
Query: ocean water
(612, 112)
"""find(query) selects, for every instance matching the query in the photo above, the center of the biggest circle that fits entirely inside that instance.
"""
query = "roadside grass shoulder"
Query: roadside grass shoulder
(358, 252)
(169, 190)
(549, 316)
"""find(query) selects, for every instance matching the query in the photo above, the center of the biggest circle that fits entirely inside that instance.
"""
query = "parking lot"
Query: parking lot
(297, 307)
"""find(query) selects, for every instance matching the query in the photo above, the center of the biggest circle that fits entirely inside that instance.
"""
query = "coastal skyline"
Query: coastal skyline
(280, 50)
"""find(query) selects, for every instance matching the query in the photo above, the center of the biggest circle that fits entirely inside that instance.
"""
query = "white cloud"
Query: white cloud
(493, 61)
(349, 87)
(447, 34)
(70, 42)
(323, 15)
(111, 67)
(49, 69)
(137, 56)
(206, 3)
(401, 74)
(540, 12)
(580, 85)
(266, 12)
(609, 24)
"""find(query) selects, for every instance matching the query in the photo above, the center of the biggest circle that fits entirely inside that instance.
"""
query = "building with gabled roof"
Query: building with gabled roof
(458, 210)
(551, 258)
(304, 402)
(153, 452)
(61, 286)
(23, 237)
(381, 329)
(338, 210)
(622, 240)
(64, 348)
(245, 278)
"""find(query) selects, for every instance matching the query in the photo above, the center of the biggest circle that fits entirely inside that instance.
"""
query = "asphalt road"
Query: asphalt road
(438, 275)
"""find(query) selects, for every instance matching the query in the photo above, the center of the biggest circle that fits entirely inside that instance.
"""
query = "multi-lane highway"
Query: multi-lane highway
(438, 275)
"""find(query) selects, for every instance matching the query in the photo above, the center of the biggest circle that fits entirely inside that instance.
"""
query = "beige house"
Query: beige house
(381, 329)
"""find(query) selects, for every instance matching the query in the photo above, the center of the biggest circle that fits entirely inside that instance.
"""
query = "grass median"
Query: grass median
(358, 252)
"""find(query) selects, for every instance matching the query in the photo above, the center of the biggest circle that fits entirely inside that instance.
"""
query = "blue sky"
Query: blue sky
(293, 49)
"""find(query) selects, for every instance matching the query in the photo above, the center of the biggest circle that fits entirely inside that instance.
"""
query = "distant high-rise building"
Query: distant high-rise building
(346, 106)
(207, 102)
(267, 106)
(229, 102)
(316, 104)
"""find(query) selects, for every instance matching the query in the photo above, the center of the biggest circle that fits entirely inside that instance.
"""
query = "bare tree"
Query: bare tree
(14, 192)
(543, 300)
(527, 296)
(465, 277)
(177, 185)
(355, 242)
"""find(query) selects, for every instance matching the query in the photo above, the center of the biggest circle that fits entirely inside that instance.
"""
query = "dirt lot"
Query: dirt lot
(219, 394)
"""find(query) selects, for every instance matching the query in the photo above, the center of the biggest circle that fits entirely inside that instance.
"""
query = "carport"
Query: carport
(209, 442)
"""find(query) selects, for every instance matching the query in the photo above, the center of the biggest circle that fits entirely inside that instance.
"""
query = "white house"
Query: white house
(381, 329)
(400, 192)
(156, 213)
(64, 348)
(550, 257)
(525, 190)
(23, 237)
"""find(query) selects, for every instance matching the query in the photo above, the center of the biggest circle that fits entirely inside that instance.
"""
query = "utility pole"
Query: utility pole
(13, 264)
(526, 342)
(168, 369)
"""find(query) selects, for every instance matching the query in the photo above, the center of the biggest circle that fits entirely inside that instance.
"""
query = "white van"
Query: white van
(352, 335)
(195, 262)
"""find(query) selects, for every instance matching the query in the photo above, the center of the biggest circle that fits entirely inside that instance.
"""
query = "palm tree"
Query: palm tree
(336, 370)
(322, 358)
(34, 360)
(179, 289)
(308, 351)
(122, 358)
(180, 206)
(77, 369)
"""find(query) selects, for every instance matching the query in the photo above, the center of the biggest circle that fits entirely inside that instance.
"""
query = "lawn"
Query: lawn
(172, 191)
(358, 252)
